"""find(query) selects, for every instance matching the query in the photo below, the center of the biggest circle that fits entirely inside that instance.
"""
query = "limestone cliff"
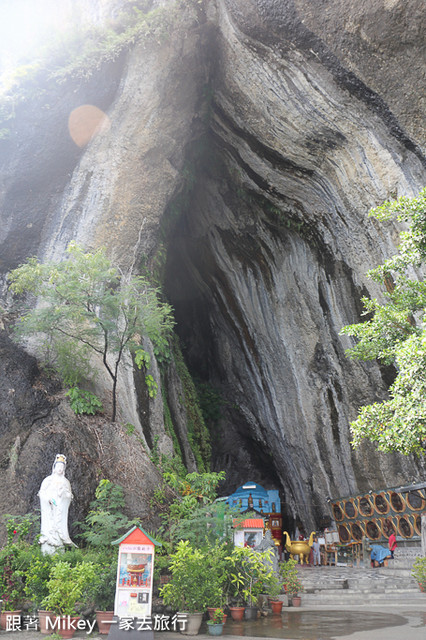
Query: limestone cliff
(246, 148)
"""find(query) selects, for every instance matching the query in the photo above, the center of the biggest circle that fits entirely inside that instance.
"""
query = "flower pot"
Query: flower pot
(103, 620)
(193, 623)
(66, 626)
(237, 613)
(215, 628)
(250, 613)
(276, 606)
(296, 600)
(43, 617)
(9, 620)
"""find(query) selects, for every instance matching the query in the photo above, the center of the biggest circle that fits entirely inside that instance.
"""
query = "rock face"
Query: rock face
(248, 149)
(37, 423)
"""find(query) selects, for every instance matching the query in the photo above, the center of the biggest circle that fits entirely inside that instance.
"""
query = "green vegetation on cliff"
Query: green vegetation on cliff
(395, 333)
(198, 434)
(86, 307)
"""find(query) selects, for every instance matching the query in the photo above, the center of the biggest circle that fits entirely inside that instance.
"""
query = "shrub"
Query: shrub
(419, 572)
(67, 586)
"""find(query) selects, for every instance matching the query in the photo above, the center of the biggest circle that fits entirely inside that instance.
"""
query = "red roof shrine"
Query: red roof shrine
(249, 523)
(136, 535)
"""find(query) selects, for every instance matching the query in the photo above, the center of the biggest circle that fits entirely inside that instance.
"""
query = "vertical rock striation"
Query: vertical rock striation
(268, 262)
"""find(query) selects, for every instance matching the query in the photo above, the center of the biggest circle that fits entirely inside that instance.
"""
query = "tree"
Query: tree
(85, 306)
(395, 333)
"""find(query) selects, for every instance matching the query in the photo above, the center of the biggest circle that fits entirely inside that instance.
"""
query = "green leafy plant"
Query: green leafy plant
(194, 515)
(15, 558)
(290, 577)
(249, 573)
(102, 589)
(11, 583)
(105, 521)
(294, 586)
(82, 401)
(189, 583)
(36, 579)
(21, 528)
(273, 586)
(218, 617)
(67, 586)
(88, 307)
(394, 332)
(419, 572)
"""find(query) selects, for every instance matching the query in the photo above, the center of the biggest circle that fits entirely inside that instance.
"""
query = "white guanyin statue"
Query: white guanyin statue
(55, 498)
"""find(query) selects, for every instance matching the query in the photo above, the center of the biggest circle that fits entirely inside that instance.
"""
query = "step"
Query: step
(342, 598)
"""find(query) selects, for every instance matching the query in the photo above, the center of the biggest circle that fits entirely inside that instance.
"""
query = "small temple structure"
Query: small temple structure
(249, 532)
(266, 503)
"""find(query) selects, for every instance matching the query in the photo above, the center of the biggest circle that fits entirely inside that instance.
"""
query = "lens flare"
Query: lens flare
(86, 122)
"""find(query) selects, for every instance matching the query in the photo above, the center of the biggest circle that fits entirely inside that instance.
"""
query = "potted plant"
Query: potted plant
(419, 573)
(215, 624)
(249, 572)
(216, 567)
(294, 587)
(188, 588)
(102, 592)
(288, 570)
(66, 587)
(274, 589)
(10, 609)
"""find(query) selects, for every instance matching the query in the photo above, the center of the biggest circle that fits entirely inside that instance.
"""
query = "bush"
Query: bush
(419, 572)
(102, 590)
(248, 574)
(15, 559)
(105, 521)
(190, 584)
(67, 586)
(290, 578)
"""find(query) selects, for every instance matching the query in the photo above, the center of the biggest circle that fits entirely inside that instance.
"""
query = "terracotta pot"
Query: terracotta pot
(296, 600)
(43, 617)
(276, 606)
(9, 617)
(103, 620)
(193, 623)
(237, 613)
(66, 626)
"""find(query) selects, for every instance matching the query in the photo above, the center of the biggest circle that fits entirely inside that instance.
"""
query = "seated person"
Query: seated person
(378, 555)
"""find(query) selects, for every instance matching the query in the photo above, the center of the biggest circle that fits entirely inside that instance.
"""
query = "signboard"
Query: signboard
(134, 580)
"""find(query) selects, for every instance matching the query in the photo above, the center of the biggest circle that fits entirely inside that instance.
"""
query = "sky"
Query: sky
(25, 25)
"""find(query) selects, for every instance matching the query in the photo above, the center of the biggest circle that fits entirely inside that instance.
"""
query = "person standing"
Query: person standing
(392, 544)
(316, 552)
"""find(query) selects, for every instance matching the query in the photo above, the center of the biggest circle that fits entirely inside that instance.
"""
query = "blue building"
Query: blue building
(253, 497)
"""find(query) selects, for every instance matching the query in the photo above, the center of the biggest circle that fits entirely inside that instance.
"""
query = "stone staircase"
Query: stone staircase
(344, 585)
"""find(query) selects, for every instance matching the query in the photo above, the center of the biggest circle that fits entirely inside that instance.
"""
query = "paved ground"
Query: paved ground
(406, 622)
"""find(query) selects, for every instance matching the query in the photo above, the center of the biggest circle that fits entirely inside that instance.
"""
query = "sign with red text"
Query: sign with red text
(135, 570)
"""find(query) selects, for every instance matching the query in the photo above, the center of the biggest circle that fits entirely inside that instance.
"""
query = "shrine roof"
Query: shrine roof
(136, 535)
(249, 523)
